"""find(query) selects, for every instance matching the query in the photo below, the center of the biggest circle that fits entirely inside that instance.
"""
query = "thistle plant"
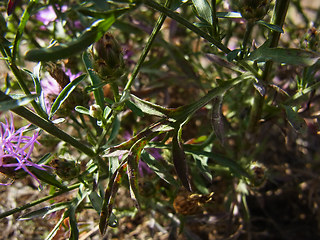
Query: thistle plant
(220, 98)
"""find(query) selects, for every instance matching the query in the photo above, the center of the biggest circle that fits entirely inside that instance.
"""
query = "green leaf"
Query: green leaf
(46, 177)
(204, 9)
(179, 159)
(223, 161)
(96, 201)
(150, 108)
(229, 15)
(83, 110)
(115, 130)
(109, 198)
(290, 56)
(134, 108)
(44, 211)
(271, 26)
(57, 226)
(133, 163)
(76, 46)
(24, 19)
(295, 120)
(103, 14)
(158, 168)
(202, 165)
(95, 80)
(74, 231)
(14, 103)
(64, 94)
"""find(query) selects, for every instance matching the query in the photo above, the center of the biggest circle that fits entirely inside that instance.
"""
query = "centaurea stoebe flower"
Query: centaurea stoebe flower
(15, 150)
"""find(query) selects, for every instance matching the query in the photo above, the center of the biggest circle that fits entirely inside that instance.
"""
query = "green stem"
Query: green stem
(215, 23)
(147, 48)
(246, 37)
(278, 18)
(36, 202)
(48, 127)
(187, 24)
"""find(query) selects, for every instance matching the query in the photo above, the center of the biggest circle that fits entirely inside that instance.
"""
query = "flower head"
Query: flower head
(15, 150)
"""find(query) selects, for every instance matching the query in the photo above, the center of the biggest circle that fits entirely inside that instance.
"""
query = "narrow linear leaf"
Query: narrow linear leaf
(204, 9)
(271, 26)
(14, 103)
(64, 94)
(109, 198)
(223, 161)
(47, 177)
(295, 120)
(229, 15)
(150, 108)
(54, 231)
(76, 46)
(133, 163)
(24, 19)
(44, 211)
(103, 14)
(74, 231)
(134, 108)
(83, 110)
(180, 161)
(289, 56)
(95, 80)
(158, 168)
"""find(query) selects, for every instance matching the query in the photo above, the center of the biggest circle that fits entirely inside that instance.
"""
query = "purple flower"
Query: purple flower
(48, 15)
(16, 149)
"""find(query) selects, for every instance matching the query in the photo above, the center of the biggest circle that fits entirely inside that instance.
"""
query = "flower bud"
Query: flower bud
(65, 169)
(107, 56)
(252, 10)
(95, 111)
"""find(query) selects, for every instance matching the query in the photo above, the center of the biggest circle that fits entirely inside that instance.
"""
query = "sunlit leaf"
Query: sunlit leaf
(14, 103)
(150, 108)
(204, 9)
(290, 56)
(44, 211)
(95, 80)
(64, 94)
(76, 46)
(229, 15)
(271, 26)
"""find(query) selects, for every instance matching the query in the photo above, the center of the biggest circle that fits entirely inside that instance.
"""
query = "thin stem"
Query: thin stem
(215, 23)
(36, 202)
(279, 15)
(246, 37)
(187, 24)
(147, 48)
